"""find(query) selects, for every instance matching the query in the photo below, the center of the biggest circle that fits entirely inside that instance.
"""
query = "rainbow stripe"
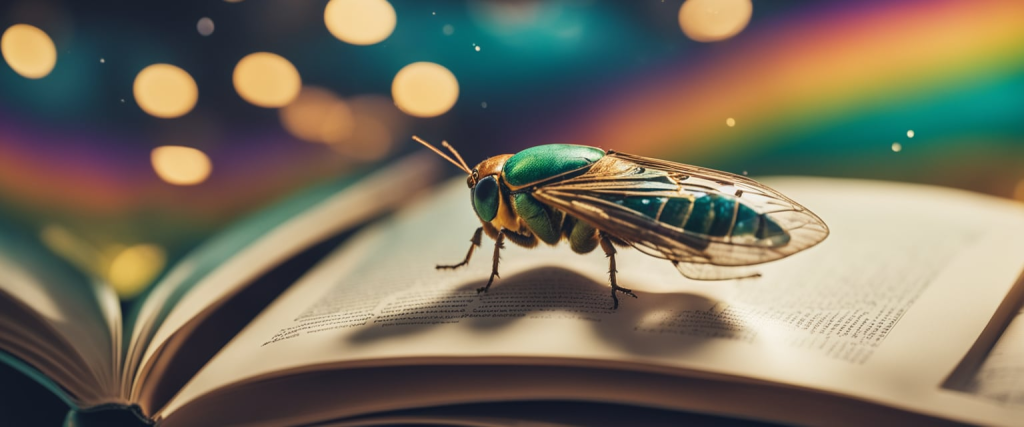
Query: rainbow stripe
(92, 176)
(799, 75)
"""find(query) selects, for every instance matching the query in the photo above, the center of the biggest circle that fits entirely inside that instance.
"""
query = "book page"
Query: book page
(868, 313)
(74, 321)
(1000, 377)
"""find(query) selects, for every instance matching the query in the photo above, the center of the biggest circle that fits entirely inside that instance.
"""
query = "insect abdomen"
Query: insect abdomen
(542, 220)
(715, 215)
(720, 215)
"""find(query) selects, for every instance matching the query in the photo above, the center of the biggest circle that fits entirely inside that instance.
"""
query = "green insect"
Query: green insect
(709, 224)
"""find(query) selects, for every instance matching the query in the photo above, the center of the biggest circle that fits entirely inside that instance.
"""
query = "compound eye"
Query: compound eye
(485, 198)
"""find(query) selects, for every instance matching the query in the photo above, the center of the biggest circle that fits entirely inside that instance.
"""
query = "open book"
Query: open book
(888, 320)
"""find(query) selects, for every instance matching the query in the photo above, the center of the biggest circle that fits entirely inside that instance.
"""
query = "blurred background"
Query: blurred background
(132, 130)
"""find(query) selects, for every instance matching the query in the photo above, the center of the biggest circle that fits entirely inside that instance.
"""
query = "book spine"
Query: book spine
(113, 414)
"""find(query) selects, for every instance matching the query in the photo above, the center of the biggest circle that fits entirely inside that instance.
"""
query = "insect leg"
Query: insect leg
(475, 243)
(499, 244)
(609, 251)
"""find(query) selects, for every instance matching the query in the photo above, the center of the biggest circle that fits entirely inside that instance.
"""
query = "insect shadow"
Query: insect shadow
(652, 324)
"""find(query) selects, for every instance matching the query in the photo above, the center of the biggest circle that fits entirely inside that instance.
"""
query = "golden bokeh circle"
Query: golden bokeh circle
(266, 80)
(360, 22)
(714, 20)
(317, 115)
(425, 89)
(339, 123)
(180, 165)
(133, 268)
(165, 91)
(28, 50)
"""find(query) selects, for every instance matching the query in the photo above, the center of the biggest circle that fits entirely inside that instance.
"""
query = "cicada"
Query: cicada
(710, 225)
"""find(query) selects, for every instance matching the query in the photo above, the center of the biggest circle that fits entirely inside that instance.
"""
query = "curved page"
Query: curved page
(81, 313)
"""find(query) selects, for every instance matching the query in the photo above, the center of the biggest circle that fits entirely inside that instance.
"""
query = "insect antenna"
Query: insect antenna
(434, 149)
(445, 144)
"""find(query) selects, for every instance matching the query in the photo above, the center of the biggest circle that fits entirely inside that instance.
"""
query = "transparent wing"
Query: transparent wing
(714, 272)
(586, 197)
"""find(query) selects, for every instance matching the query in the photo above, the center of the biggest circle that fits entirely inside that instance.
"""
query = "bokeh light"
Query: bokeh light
(425, 89)
(360, 22)
(133, 268)
(730, 122)
(28, 50)
(63, 242)
(205, 26)
(714, 20)
(897, 147)
(382, 109)
(339, 123)
(266, 80)
(509, 17)
(165, 91)
(318, 115)
(362, 128)
(180, 165)
(370, 140)
(910, 134)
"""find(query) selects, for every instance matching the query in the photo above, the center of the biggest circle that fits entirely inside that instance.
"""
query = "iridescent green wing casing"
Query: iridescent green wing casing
(538, 166)
(685, 213)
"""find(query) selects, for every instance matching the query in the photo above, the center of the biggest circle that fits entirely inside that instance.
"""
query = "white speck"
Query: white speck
(122, 100)
(103, 61)
(433, 13)
(205, 26)
(448, 29)
(910, 134)
(477, 48)
(897, 147)
(483, 104)
(744, 173)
